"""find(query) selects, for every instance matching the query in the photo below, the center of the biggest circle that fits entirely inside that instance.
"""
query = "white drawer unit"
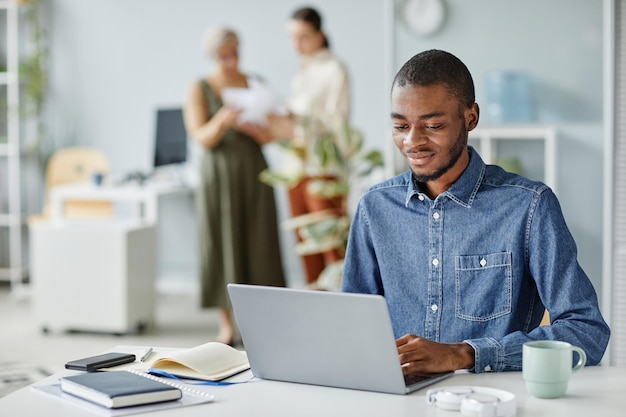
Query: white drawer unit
(94, 277)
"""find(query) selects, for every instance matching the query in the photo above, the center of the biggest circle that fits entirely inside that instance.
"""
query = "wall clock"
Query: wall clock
(424, 17)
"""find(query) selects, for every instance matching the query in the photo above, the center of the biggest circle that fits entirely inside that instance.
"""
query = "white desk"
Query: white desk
(594, 391)
(146, 195)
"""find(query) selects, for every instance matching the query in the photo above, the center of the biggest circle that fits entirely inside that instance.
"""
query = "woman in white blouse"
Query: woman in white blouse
(319, 99)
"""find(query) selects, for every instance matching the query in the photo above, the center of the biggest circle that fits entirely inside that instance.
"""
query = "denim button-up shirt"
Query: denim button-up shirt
(479, 264)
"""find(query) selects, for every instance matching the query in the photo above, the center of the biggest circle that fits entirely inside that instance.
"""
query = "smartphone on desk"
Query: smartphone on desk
(105, 360)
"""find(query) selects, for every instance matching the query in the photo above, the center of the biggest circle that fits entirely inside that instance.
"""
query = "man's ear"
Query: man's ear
(472, 114)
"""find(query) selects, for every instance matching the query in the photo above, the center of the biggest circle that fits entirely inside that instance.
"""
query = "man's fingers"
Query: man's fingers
(404, 340)
(412, 355)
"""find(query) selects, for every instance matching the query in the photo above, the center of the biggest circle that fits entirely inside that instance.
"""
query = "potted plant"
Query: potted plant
(338, 161)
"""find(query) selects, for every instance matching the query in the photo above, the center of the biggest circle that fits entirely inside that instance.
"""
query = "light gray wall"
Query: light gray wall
(558, 44)
(113, 62)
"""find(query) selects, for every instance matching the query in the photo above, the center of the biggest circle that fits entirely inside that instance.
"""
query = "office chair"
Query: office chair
(76, 164)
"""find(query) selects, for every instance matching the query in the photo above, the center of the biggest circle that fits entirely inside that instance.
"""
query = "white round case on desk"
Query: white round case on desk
(473, 401)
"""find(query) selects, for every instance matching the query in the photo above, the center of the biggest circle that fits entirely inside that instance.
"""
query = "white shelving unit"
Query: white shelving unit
(11, 217)
(486, 141)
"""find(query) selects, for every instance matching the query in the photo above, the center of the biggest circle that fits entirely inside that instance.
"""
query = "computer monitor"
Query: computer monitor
(171, 138)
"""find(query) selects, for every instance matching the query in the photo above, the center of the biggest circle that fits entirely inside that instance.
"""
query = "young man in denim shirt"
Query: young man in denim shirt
(467, 255)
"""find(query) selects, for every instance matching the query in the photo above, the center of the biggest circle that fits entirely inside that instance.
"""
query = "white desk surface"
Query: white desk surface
(147, 194)
(593, 391)
(89, 191)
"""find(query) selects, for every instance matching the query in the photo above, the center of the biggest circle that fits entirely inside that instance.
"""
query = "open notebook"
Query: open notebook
(322, 338)
(211, 361)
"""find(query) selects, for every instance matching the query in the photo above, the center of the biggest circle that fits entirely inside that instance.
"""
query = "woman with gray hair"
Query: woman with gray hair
(237, 225)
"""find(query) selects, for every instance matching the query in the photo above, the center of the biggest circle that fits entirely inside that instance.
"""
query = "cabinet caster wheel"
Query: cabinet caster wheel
(141, 327)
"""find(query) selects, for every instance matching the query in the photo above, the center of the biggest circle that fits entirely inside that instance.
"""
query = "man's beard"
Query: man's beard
(455, 153)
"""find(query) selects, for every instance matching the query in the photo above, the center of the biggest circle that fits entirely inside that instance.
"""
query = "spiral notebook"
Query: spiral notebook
(191, 396)
(210, 361)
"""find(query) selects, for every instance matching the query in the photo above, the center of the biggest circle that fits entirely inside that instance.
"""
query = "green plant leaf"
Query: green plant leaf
(330, 278)
(274, 178)
(328, 188)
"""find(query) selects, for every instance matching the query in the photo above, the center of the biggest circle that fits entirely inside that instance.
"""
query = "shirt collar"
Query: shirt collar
(464, 189)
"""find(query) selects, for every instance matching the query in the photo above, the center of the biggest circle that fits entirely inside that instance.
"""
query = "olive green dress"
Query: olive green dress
(237, 225)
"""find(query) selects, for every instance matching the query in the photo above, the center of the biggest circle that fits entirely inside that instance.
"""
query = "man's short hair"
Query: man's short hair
(438, 67)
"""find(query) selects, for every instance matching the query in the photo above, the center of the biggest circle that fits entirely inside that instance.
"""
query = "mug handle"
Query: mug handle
(582, 358)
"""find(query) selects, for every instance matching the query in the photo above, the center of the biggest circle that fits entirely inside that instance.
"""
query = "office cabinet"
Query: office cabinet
(95, 277)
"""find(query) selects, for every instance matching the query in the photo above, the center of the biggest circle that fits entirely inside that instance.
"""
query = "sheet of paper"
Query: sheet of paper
(256, 102)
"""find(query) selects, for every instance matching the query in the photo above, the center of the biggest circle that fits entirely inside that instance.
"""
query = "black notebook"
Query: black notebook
(119, 389)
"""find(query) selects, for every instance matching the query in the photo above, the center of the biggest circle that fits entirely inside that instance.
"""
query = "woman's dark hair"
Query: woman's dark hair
(313, 18)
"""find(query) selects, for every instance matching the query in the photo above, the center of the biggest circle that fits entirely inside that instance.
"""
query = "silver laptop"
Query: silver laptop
(323, 338)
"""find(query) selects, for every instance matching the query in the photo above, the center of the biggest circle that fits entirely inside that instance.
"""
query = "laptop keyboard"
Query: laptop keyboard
(414, 379)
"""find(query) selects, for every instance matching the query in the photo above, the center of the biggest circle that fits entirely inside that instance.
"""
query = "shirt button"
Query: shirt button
(483, 262)
(435, 261)
(435, 216)
(488, 368)
(434, 307)
(420, 197)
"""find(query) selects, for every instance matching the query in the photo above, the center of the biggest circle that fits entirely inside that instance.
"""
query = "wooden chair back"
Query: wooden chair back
(78, 164)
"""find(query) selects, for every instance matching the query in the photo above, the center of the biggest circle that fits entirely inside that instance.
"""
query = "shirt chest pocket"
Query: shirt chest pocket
(483, 286)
